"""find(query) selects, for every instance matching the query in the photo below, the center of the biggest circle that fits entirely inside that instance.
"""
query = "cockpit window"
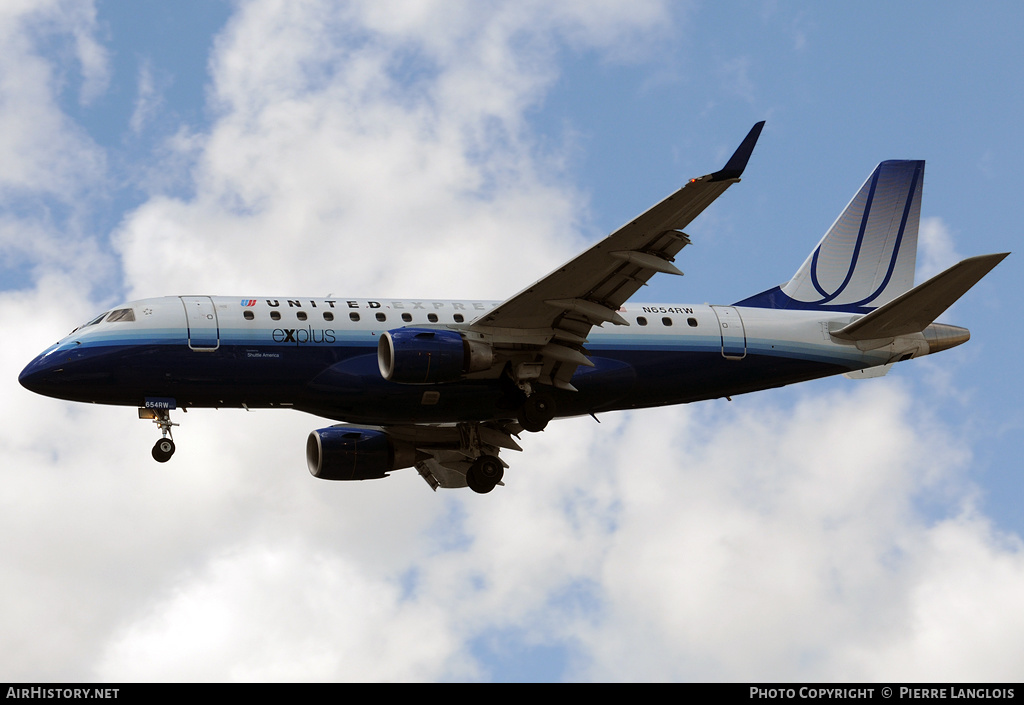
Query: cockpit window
(92, 322)
(121, 314)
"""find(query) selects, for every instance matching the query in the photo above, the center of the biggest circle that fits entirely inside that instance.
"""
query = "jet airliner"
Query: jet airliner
(445, 386)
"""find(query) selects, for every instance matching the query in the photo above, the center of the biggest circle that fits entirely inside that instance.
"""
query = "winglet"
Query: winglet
(738, 161)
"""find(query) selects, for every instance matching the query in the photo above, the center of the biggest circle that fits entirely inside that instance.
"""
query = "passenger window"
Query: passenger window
(432, 317)
(248, 315)
(666, 321)
(692, 322)
(301, 315)
(275, 315)
(381, 317)
(459, 318)
(353, 316)
(407, 317)
(328, 316)
(641, 321)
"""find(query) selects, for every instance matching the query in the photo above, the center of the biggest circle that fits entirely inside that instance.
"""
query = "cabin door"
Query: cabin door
(201, 317)
(734, 338)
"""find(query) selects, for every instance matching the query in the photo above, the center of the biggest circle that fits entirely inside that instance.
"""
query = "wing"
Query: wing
(553, 317)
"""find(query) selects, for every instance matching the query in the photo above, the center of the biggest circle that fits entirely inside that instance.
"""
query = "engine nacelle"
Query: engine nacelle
(430, 356)
(355, 453)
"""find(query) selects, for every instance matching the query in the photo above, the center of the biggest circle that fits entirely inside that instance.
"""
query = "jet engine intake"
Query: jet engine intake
(430, 356)
(355, 453)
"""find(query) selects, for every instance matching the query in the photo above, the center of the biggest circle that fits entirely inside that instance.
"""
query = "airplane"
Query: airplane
(445, 386)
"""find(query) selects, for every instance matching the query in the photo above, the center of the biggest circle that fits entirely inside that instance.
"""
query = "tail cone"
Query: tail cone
(943, 337)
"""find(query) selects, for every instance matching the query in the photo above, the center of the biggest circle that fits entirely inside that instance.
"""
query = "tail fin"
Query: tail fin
(867, 258)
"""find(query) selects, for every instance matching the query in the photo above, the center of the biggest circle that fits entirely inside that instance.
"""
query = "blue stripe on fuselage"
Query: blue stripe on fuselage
(336, 375)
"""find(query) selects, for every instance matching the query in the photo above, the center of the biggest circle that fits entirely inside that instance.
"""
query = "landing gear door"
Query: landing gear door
(734, 337)
(203, 328)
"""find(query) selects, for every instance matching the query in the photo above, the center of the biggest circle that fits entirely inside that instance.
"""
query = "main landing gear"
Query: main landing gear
(484, 474)
(164, 448)
(536, 411)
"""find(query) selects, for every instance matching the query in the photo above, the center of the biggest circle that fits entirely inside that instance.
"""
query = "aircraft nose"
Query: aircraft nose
(42, 375)
(74, 371)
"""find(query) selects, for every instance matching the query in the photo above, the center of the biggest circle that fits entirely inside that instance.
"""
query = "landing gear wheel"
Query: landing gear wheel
(484, 474)
(163, 450)
(161, 416)
(536, 411)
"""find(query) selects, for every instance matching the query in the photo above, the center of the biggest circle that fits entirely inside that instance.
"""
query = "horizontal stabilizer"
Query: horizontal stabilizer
(913, 311)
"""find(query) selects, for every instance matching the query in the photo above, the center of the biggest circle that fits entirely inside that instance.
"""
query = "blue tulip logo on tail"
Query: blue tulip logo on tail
(867, 258)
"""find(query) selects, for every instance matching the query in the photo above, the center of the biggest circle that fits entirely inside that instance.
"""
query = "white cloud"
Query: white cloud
(52, 170)
(295, 615)
(356, 151)
(735, 74)
(148, 100)
(961, 620)
(777, 537)
(785, 543)
(937, 250)
(43, 152)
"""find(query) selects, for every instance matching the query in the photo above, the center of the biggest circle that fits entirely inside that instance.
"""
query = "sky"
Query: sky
(829, 531)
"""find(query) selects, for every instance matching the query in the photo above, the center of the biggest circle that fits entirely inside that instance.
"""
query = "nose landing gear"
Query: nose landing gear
(164, 448)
